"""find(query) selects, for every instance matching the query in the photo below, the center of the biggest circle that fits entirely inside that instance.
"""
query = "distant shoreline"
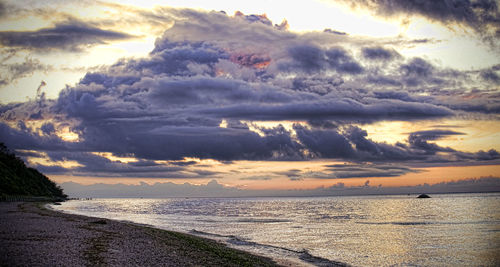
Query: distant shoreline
(412, 194)
(32, 235)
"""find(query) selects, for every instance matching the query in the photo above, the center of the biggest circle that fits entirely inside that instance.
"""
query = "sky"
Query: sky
(254, 95)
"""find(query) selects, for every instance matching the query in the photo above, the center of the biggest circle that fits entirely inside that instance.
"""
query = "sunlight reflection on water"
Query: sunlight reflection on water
(458, 229)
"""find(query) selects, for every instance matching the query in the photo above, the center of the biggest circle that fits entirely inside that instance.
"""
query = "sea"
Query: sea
(383, 230)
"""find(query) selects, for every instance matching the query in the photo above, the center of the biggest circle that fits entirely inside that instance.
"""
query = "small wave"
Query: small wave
(333, 217)
(197, 232)
(257, 220)
(397, 223)
(412, 223)
(206, 220)
(303, 255)
(422, 223)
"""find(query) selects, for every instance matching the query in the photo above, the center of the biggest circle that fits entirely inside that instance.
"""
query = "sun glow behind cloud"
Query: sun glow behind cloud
(477, 134)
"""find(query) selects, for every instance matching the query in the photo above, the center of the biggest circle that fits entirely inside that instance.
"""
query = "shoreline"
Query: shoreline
(281, 256)
(32, 235)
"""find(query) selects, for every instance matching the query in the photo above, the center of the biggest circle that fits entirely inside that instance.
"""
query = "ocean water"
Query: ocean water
(445, 230)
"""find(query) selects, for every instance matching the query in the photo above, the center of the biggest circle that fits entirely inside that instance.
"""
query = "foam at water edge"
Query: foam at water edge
(270, 250)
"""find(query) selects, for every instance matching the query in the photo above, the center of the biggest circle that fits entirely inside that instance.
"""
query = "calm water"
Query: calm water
(445, 230)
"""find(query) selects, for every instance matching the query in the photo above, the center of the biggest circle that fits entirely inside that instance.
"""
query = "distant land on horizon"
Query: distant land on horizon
(215, 189)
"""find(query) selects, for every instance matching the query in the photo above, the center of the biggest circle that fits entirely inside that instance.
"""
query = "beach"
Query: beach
(384, 230)
(31, 235)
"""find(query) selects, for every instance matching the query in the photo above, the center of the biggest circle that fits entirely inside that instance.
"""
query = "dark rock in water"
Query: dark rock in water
(56, 203)
(423, 196)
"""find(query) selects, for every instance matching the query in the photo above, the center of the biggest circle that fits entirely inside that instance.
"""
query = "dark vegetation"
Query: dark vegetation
(206, 252)
(16, 179)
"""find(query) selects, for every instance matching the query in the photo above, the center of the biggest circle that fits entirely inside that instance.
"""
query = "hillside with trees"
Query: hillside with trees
(16, 179)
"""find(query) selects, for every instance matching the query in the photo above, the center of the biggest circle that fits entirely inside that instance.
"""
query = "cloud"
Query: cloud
(435, 134)
(24, 138)
(334, 32)
(490, 75)
(233, 33)
(417, 67)
(340, 109)
(311, 59)
(379, 53)
(211, 76)
(328, 144)
(48, 128)
(69, 36)
(364, 170)
(15, 71)
(351, 170)
(352, 144)
(480, 16)
(90, 164)
(256, 178)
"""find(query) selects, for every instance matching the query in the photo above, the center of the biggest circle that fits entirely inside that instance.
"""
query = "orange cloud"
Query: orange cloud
(250, 60)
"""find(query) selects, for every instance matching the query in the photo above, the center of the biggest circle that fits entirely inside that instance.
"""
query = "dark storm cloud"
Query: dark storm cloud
(48, 128)
(70, 36)
(208, 142)
(353, 144)
(183, 163)
(327, 144)
(343, 109)
(204, 91)
(421, 143)
(210, 76)
(435, 134)
(178, 55)
(419, 72)
(308, 58)
(490, 75)
(22, 137)
(95, 165)
(312, 59)
(482, 16)
(15, 71)
(334, 32)
(475, 101)
(403, 96)
(51, 169)
(417, 67)
(317, 84)
(25, 153)
(379, 53)
(469, 12)
(340, 60)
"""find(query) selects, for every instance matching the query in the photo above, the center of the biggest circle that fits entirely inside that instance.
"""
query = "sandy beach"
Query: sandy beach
(31, 235)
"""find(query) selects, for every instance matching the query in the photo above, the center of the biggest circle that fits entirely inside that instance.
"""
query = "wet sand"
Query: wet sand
(31, 235)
